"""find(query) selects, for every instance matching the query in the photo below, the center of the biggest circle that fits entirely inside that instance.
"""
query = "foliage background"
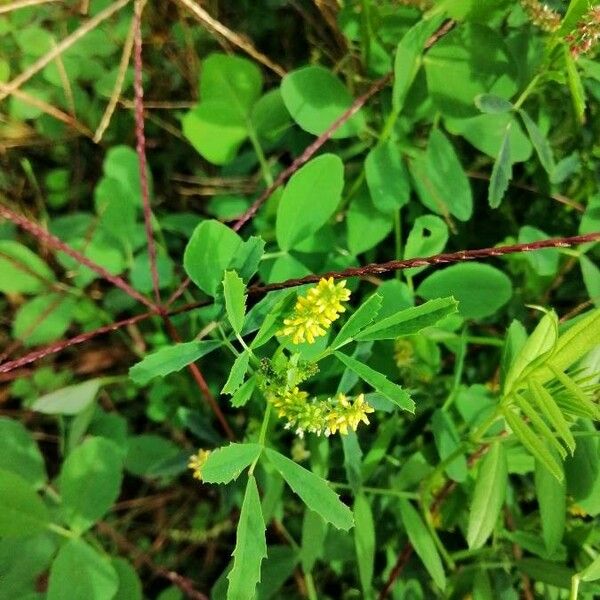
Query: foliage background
(478, 127)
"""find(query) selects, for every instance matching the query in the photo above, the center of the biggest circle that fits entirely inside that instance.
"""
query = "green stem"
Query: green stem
(310, 586)
(378, 491)
(264, 165)
(62, 531)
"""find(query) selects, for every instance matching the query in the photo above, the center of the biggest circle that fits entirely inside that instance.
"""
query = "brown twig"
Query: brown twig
(365, 272)
(311, 150)
(45, 237)
(78, 339)
(438, 259)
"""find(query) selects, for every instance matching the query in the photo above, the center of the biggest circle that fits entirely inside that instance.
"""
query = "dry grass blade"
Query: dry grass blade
(116, 93)
(58, 114)
(7, 8)
(231, 36)
(64, 45)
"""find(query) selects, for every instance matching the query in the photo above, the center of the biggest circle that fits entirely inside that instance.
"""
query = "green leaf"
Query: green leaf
(487, 132)
(248, 256)
(23, 560)
(237, 373)
(427, 237)
(147, 454)
(470, 60)
(80, 573)
(20, 454)
(299, 215)
(591, 278)
(250, 547)
(235, 300)
(364, 314)
(43, 319)
(365, 225)
(552, 500)
(315, 98)
(488, 497)
(544, 262)
(408, 58)
(90, 482)
(539, 345)
(575, 11)
(422, 542)
(592, 571)
(244, 393)
(364, 542)
(446, 188)
(479, 288)
(488, 103)
(225, 464)
(23, 272)
(552, 412)
(22, 512)
(532, 443)
(218, 125)
(170, 359)
(572, 345)
(540, 142)
(392, 391)
(575, 85)
(314, 530)
(387, 177)
(447, 441)
(539, 427)
(211, 249)
(313, 490)
(501, 172)
(69, 400)
(545, 571)
(130, 586)
(410, 320)
(270, 319)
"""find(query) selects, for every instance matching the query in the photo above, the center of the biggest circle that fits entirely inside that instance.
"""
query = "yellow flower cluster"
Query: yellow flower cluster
(197, 461)
(314, 312)
(322, 417)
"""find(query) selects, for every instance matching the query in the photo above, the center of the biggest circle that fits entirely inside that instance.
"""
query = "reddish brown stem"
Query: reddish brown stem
(200, 381)
(363, 272)
(438, 259)
(141, 144)
(64, 344)
(45, 237)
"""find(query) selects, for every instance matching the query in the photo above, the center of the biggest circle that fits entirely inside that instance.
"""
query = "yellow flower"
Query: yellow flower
(322, 417)
(314, 313)
(197, 461)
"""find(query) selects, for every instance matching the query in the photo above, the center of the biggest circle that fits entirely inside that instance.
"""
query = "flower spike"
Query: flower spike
(315, 312)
